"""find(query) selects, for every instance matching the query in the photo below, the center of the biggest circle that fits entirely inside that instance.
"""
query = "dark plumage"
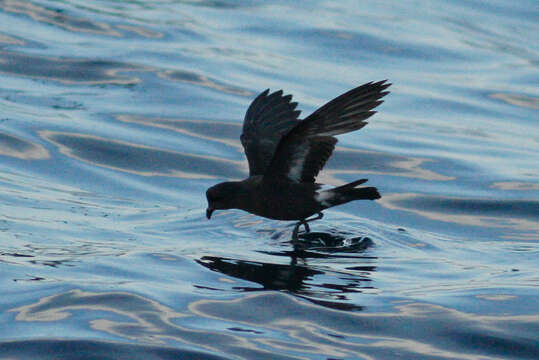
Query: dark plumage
(285, 155)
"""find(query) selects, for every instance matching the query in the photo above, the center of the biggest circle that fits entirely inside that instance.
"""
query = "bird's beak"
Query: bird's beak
(209, 211)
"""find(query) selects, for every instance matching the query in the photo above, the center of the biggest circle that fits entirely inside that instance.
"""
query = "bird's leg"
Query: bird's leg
(296, 228)
(318, 217)
(305, 224)
(295, 241)
(295, 233)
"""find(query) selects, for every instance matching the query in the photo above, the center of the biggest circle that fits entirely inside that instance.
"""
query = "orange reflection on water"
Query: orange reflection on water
(147, 33)
(57, 18)
(197, 128)
(68, 71)
(382, 164)
(515, 185)
(524, 229)
(15, 147)
(325, 331)
(139, 159)
(251, 322)
(6, 39)
(345, 161)
(147, 320)
(531, 102)
(204, 81)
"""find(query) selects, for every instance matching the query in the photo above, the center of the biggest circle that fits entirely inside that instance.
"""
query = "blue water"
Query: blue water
(115, 116)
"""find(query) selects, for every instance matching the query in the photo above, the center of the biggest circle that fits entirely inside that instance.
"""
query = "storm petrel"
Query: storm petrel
(285, 155)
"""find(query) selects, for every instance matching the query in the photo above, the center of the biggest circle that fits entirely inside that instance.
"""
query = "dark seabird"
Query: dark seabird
(285, 155)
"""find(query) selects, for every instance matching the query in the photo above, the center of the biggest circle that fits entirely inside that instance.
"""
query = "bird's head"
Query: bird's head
(222, 196)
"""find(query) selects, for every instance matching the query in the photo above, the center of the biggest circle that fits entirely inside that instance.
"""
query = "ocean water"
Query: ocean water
(116, 115)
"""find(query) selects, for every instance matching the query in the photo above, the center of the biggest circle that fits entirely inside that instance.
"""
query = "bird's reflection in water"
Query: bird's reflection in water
(317, 283)
(332, 243)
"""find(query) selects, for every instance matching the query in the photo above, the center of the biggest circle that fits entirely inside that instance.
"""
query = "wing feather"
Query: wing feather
(267, 120)
(305, 148)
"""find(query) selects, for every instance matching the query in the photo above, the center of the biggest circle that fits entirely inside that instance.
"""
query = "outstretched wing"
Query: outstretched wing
(268, 119)
(304, 150)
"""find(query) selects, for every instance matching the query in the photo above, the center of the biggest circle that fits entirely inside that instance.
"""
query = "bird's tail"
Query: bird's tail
(346, 193)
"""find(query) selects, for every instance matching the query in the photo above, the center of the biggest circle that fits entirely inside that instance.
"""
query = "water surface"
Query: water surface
(117, 115)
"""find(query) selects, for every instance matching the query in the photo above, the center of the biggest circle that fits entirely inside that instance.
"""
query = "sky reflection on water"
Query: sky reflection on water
(117, 115)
